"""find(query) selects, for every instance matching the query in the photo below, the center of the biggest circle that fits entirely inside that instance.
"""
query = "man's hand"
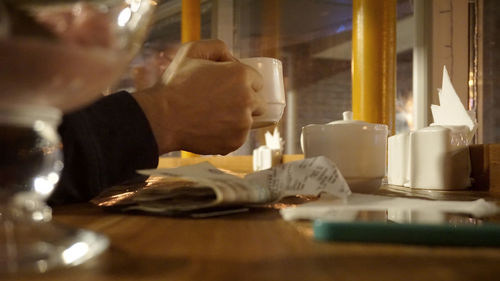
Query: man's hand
(204, 102)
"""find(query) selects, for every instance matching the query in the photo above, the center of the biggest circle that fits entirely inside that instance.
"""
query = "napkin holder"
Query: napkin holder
(265, 158)
(435, 157)
(270, 154)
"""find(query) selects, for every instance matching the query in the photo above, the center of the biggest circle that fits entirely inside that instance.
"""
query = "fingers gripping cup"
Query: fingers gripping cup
(272, 91)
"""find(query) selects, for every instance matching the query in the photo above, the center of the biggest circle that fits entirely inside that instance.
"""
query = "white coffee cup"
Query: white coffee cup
(273, 89)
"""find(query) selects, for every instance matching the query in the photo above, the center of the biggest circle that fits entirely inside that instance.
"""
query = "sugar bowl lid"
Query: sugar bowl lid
(348, 121)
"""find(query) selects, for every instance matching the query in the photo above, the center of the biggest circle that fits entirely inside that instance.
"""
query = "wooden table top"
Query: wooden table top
(257, 245)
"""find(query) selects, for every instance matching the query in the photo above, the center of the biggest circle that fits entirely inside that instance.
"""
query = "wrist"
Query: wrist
(156, 111)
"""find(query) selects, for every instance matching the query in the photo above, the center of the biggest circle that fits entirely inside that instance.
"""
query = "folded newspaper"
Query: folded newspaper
(202, 188)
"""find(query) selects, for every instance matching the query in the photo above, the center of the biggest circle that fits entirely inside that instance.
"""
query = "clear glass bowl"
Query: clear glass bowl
(31, 151)
(65, 53)
(55, 56)
(30, 167)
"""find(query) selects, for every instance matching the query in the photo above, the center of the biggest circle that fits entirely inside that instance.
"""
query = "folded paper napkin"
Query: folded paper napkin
(451, 111)
(327, 206)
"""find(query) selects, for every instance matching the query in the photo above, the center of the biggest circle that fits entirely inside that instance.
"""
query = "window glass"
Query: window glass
(311, 37)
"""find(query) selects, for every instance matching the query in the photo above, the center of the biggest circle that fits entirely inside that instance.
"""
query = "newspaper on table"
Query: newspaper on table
(202, 188)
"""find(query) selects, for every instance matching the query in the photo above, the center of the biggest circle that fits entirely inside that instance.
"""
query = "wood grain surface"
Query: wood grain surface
(257, 245)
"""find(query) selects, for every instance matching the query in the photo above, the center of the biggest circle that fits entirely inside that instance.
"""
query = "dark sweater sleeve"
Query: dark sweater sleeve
(103, 144)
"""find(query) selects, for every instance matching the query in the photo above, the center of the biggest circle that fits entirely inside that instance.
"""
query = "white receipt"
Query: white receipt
(209, 186)
(310, 176)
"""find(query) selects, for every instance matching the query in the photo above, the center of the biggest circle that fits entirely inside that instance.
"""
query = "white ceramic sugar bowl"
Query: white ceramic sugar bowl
(357, 148)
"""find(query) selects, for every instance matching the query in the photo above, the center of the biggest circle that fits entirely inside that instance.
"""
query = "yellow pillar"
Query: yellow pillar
(374, 61)
(190, 31)
(191, 21)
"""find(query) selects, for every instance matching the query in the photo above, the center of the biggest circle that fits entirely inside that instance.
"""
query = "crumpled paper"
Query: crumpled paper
(202, 189)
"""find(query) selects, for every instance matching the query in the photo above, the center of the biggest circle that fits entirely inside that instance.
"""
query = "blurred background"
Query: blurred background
(313, 40)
